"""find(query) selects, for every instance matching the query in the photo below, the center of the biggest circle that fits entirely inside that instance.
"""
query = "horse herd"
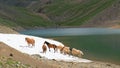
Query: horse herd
(63, 49)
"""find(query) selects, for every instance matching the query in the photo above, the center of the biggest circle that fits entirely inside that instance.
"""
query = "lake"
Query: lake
(100, 44)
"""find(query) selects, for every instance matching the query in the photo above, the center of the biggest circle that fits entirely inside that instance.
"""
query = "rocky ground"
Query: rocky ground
(11, 58)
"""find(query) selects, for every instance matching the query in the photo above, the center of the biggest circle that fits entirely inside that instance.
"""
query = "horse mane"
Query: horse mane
(55, 45)
(47, 42)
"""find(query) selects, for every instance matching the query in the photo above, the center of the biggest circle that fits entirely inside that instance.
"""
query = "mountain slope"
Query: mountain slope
(21, 16)
(106, 18)
(55, 13)
(74, 13)
(17, 15)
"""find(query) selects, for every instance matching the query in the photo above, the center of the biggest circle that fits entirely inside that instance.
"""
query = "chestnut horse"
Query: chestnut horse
(44, 48)
(76, 52)
(51, 46)
(30, 41)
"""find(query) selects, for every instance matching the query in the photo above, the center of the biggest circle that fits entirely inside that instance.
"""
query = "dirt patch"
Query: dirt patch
(115, 26)
(23, 58)
(95, 64)
(4, 29)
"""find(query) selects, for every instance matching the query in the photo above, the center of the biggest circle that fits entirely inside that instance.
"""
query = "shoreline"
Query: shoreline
(62, 27)
(61, 64)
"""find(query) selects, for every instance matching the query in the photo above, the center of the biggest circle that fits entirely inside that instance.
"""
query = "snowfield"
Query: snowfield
(17, 41)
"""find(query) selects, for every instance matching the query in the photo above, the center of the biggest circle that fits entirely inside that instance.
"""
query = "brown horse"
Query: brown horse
(76, 52)
(30, 41)
(44, 48)
(51, 46)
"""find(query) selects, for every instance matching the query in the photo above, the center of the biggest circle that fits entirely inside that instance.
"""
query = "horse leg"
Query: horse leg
(28, 44)
(54, 50)
(33, 44)
(49, 49)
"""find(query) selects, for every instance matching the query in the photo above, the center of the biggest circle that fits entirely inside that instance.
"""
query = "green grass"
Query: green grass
(60, 12)
(7, 22)
(77, 13)
(30, 19)
(6, 62)
(22, 17)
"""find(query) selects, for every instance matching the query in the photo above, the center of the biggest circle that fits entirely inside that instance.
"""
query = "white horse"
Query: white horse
(76, 52)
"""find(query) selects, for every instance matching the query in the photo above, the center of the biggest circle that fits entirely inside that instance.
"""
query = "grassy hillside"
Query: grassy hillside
(69, 13)
(49, 13)
(14, 15)
(10, 63)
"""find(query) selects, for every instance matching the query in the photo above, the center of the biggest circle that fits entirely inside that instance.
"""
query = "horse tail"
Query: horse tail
(61, 50)
(71, 49)
(44, 48)
(70, 53)
(81, 53)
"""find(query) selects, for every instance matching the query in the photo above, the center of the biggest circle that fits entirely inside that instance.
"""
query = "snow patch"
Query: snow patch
(17, 41)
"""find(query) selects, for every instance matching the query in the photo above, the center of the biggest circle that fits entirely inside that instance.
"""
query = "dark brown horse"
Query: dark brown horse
(50, 46)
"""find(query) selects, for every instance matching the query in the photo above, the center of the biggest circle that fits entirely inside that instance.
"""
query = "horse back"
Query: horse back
(30, 41)
(33, 41)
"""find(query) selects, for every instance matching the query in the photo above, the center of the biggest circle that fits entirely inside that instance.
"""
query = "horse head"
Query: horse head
(46, 42)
